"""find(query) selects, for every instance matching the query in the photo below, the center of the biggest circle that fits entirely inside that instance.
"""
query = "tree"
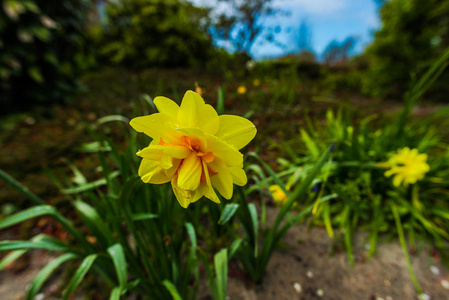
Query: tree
(337, 52)
(147, 33)
(304, 37)
(245, 24)
(413, 34)
(43, 49)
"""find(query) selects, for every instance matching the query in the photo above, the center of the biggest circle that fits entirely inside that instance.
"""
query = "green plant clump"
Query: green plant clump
(149, 33)
(42, 51)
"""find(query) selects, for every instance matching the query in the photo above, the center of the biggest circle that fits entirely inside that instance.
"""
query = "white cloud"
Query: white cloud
(313, 7)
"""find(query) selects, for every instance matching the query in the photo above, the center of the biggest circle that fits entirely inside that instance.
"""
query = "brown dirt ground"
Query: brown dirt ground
(303, 260)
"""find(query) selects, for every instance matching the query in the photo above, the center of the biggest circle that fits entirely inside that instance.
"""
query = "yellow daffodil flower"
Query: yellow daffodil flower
(278, 194)
(407, 166)
(193, 148)
(241, 90)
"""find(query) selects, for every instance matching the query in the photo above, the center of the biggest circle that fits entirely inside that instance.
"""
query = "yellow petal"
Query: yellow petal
(226, 152)
(209, 192)
(184, 197)
(151, 153)
(171, 171)
(189, 112)
(236, 130)
(209, 121)
(166, 106)
(189, 173)
(195, 113)
(157, 126)
(183, 201)
(179, 152)
(150, 173)
(166, 162)
(147, 166)
(397, 180)
(238, 176)
(222, 181)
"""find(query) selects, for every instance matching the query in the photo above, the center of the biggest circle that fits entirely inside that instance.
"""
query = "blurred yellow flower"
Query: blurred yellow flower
(256, 82)
(407, 166)
(198, 89)
(193, 148)
(278, 194)
(241, 90)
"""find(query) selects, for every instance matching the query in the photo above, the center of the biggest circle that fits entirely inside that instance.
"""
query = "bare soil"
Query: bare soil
(301, 269)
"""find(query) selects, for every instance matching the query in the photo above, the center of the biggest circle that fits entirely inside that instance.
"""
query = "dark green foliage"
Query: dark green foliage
(147, 33)
(413, 33)
(41, 50)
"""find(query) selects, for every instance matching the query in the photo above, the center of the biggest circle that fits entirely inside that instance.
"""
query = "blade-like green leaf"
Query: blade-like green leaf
(22, 245)
(91, 185)
(143, 216)
(310, 144)
(192, 235)
(221, 269)
(21, 188)
(27, 214)
(253, 214)
(172, 289)
(115, 294)
(79, 274)
(45, 273)
(118, 258)
(93, 220)
(10, 258)
(234, 247)
(228, 211)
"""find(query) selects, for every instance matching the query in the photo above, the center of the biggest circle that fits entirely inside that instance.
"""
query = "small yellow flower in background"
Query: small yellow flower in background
(198, 89)
(278, 194)
(256, 82)
(241, 90)
(407, 166)
(193, 148)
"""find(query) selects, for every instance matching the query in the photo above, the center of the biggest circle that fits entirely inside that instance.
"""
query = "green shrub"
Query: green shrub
(41, 50)
(146, 33)
(412, 35)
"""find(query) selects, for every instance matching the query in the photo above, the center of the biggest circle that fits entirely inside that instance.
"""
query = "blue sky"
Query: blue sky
(327, 20)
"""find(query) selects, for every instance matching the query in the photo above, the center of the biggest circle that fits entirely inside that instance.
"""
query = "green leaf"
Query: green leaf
(172, 289)
(10, 258)
(21, 188)
(91, 185)
(118, 258)
(253, 214)
(93, 220)
(234, 247)
(27, 214)
(113, 118)
(192, 235)
(36, 74)
(22, 245)
(221, 269)
(79, 274)
(310, 144)
(45, 273)
(143, 216)
(115, 294)
(228, 211)
(220, 101)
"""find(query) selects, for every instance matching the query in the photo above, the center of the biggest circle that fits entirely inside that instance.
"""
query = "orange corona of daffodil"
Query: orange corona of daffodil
(193, 148)
(407, 166)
